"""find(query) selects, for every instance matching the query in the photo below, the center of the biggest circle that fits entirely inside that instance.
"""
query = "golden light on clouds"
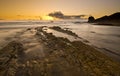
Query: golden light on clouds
(47, 18)
(32, 9)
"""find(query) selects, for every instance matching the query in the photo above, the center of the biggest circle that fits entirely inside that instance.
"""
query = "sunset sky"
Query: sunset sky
(34, 9)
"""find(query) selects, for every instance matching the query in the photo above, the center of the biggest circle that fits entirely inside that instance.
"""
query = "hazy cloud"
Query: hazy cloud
(60, 15)
(2, 19)
(57, 14)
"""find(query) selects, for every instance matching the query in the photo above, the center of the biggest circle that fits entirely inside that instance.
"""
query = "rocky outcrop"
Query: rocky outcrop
(62, 58)
(67, 31)
(91, 19)
(113, 19)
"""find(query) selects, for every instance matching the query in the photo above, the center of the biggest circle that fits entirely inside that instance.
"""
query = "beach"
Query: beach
(50, 50)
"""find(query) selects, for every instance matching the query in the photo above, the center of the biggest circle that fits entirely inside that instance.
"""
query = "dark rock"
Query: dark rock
(115, 16)
(91, 19)
(111, 18)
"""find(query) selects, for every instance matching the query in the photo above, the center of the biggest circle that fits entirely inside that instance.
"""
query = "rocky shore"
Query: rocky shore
(38, 53)
(111, 20)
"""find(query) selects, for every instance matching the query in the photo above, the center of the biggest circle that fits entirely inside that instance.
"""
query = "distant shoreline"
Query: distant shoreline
(111, 20)
(106, 24)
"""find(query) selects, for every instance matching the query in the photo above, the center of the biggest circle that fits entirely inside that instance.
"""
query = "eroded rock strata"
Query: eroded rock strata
(61, 58)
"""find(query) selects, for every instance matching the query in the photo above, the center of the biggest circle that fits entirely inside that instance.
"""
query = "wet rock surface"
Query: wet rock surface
(38, 53)
(67, 31)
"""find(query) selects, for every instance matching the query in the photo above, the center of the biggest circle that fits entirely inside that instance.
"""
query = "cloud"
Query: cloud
(2, 19)
(60, 15)
(20, 15)
(57, 15)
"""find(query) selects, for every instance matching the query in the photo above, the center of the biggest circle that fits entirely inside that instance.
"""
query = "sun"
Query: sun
(47, 18)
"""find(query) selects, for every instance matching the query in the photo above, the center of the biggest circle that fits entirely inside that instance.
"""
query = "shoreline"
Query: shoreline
(106, 24)
(36, 47)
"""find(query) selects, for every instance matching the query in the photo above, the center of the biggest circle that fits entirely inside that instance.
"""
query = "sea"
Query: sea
(105, 38)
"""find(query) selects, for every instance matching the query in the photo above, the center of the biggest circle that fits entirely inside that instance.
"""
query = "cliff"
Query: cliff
(113, 19)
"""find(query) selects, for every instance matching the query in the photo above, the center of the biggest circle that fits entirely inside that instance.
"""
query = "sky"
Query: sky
(36, 9)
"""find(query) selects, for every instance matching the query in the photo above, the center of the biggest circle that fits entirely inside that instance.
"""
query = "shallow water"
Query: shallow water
(64, 35)
(106, 37)
(6, 35)
(101, 36)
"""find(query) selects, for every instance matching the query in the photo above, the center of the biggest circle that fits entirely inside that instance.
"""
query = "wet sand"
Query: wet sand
(37, 52)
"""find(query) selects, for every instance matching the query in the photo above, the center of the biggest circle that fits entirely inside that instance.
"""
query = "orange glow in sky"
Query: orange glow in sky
(47, 18)
(39, 9)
